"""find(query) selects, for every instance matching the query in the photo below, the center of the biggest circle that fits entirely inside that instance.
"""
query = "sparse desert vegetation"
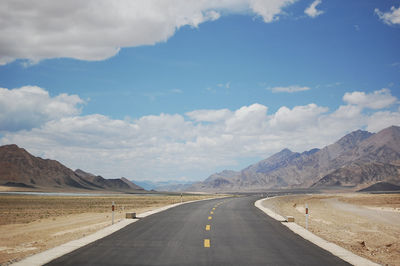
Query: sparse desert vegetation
(30, 224)
(366, 224)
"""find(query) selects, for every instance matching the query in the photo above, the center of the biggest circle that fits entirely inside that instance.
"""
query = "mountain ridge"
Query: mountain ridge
(19, 168)
(359, 152)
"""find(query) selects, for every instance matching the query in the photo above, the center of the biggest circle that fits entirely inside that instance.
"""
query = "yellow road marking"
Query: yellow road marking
(208, 227)
(211, 212)
(206, 243)
(209, 217)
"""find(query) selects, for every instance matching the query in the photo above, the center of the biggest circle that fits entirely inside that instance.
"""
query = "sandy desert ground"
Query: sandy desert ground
(366, 224)
(30, 224)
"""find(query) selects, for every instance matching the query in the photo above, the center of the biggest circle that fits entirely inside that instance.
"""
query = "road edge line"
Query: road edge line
(336, 250)
(58, 251)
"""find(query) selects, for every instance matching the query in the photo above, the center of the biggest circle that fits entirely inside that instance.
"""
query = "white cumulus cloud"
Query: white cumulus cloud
(312, 10)
(376, 100)
(298, 117)
(269, 10)
(247, 120)
(383, 119)
(167, 146)
(391, 17)
(31, 106)
(98, 29)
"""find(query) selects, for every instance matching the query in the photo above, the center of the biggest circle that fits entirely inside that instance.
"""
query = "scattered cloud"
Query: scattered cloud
(211, 89)
(269, 10)
(178, 91)
(375, 100)
(218, 87)
(289, 89)
(312, 9)
(166, 146)
(102, 27)
(391, 17)
(329, 85)
(332, 85)
(30, 106)
(152, 96)
(226, 85)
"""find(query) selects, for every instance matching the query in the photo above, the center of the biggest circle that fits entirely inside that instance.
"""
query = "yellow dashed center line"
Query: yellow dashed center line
(208, 227)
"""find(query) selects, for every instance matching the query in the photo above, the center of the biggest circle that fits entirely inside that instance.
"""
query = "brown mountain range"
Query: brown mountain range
(358, 159)
(21, 169)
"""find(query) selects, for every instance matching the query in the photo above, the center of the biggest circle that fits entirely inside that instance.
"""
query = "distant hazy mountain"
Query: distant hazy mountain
(170, 185)
(19, 168)
(359, 158)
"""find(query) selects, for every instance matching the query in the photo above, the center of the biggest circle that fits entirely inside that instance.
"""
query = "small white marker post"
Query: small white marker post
(306, 216)
(112, 209)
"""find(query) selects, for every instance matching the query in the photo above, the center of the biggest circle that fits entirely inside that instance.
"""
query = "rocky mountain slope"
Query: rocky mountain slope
(381, 186)
(361, 173)
(21, 169)
(110, 184)
(359, 158)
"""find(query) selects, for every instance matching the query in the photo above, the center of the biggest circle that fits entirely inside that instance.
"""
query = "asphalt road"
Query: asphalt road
(238, 234)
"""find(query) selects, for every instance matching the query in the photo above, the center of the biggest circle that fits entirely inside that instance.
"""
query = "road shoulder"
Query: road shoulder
(340, 252)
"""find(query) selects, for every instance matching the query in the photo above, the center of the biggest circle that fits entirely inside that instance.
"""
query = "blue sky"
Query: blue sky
(210, 85)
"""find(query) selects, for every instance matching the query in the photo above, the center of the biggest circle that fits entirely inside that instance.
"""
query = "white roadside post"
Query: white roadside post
(306, 216)
(113, 208)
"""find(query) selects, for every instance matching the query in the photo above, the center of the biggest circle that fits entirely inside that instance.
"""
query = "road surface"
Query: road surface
(215, 232)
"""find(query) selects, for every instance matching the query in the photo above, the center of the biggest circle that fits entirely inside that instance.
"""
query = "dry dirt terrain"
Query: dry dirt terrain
(366, 224)
(30, 224)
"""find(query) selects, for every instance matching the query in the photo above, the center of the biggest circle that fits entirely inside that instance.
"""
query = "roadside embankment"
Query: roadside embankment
(366, 224)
